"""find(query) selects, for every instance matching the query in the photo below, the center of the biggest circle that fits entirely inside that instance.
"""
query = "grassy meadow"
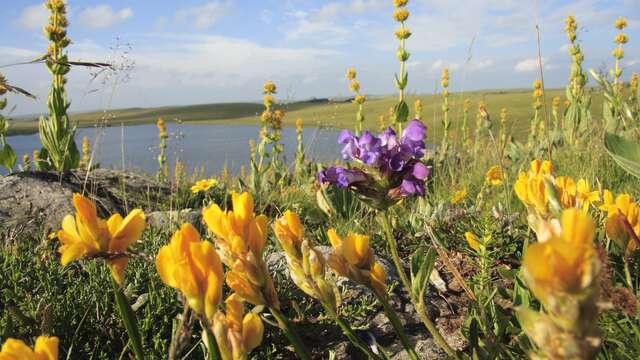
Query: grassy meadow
(453, 232)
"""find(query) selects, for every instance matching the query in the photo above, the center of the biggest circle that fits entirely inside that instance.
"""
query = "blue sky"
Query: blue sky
(186, 52)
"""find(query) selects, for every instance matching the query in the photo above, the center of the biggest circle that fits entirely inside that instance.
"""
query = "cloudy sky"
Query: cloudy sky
(195, 51)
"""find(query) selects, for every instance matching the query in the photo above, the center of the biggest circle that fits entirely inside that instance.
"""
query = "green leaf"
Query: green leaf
(7, 157)
(129, 319)
(624, 152)
(422, 264)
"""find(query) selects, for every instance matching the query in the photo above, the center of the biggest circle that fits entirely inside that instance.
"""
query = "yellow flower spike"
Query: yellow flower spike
(400, 3)
(472, 240)
(458, 196)
(621, 23)
(354, 86)
(494, 176)
(192, 266)
(401, 14)
(351, 74)
(87, 235)
(269, 88)
(46, 348)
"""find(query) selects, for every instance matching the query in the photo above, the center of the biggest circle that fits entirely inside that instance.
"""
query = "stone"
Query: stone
(39, 200)
(173, 219)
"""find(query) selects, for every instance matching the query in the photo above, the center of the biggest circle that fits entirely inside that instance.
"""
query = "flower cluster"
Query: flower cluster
(203, 185)
(562, 272)
(393, 166)
(538, 189)
(46, 348)
(306, 264)
(353, 258)
(241, 237)
(623, 221)
(193, 267)
(237, 333)
(86, 235)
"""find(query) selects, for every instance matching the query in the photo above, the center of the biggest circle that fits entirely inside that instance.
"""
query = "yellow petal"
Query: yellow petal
(166, 267)
(577, 227)
(354, 248)
(14, 349)
(234, 309)
(129, 231)
(252, 331)
(472, 240)
(86, 209)
(334, 238)
(72, 252)
(69, 227)
(242, 205)
(47, 348)
(214, 218)
(258, 235)
(378, 277)
(244, 288)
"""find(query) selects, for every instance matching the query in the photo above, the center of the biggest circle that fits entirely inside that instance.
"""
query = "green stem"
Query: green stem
(294, 339)
(129, 319)
(417, 303)
(355, 340)
(397, 326)
(212, 344)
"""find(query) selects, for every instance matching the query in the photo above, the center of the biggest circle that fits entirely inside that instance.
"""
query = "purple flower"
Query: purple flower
(350, 149)
(413, 138)
(341, 177)
(413, 181)
(370, 150)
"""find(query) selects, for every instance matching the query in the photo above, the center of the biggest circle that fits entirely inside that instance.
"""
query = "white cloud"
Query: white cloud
(103, 16)
(526, 65)
(202, 16)
(33, 17)
(632, 62)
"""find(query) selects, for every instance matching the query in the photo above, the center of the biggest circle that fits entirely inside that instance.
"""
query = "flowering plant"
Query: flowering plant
(392, 167)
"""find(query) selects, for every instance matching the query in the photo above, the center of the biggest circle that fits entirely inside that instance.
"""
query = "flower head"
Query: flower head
(87, 235)
(46, 348)
(237, 333)
(401, 14)
(203, 185)
(353, 258)
(621, 39)
(621, 23)
(623, 221)
(241, 237)
(403, 33)
(400, 3)
(192, 266)
(458, 196)
(494, 176)
(564, 264)
(354, 86)
(395, 162)
(269, 88)
(351, 74)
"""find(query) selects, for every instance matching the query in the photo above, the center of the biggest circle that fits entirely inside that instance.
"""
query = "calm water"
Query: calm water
(194, 145)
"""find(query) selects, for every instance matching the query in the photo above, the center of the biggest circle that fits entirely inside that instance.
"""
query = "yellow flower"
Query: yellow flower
(269, 88)
(401, 14)
(87, 235)
(351, 74)
(353, 258)
(617, 53)
(566, 263)
(621, 23)
(531, 190)
(623, 221)
(400, 3)
(621, 39)
(359, 99)
(566, 190)
(267, 100)
(204, 185)
(289, 232)
(539, 167)
(298, 124)
(237, 333)
(403, 33)
(241, 238)
(537, 84)
(193, 267)
(354, 86)
(585, 196)
(473, 242)
(458, 196)
(494, 176)
(46, 348)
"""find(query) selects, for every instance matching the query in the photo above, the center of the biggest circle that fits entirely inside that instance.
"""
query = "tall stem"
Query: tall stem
(294, 339)
(397, 326)
(129, 319)
(212, 344)
(348, 332)
(417, 303)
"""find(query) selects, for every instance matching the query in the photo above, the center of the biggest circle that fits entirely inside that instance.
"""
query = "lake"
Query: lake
(195, 145)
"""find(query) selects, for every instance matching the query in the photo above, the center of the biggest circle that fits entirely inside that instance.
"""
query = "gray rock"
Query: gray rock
(171, 219)
(32, 199)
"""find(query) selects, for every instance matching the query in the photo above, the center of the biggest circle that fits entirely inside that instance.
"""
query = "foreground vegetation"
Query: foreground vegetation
(538, 229)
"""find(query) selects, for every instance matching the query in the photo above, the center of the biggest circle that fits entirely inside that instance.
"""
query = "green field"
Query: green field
(327, 113)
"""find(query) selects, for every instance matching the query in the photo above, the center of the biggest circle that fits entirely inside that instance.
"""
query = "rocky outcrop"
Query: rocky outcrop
(33, 200)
